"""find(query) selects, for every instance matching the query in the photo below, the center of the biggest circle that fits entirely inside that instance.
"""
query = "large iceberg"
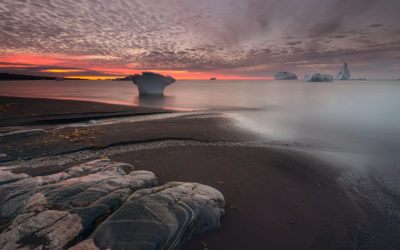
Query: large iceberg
(344, 73)
(285, 76)
(321, 78)
(150, 83)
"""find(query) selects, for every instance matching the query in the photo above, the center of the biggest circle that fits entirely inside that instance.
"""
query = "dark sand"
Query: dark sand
(30, 111)
(277, 198)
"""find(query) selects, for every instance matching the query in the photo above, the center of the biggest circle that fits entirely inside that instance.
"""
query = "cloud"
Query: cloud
(211, 35)
(294, 43)
(375, 25)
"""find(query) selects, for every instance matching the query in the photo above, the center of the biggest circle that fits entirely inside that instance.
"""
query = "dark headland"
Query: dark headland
(20, 77)
(276, 197)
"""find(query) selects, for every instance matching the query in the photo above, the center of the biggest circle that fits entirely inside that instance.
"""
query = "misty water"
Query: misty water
(353, 124)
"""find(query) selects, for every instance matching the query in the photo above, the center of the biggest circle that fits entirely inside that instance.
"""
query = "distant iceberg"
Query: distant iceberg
(321, 78)
(150, 83)
(344, 73)
(285, 76)
(306, 78)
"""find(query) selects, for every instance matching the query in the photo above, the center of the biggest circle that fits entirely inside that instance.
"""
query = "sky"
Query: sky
(192, 39)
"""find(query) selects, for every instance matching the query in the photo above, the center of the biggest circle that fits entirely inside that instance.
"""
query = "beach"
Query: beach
(276, 196)
(199, 125)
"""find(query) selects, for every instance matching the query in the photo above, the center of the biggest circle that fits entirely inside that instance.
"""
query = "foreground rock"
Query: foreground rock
(321, 78)
(62, 209)
(161, 218)
(53, 210)
(344, 73)
(150, 83)
(285, 76)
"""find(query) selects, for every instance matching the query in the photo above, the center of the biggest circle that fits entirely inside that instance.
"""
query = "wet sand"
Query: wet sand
(277, 197)
(30, 111)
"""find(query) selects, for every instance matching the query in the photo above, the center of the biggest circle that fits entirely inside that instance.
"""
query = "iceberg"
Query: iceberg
(285, 76)
(306, 78)
(344, 73)
(321, 78)
(150, 83)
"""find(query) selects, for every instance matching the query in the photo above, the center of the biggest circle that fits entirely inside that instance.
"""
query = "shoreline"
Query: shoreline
(30, 111)
(276, 197)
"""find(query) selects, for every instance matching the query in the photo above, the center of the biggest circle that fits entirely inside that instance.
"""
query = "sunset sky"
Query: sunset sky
(192, 39)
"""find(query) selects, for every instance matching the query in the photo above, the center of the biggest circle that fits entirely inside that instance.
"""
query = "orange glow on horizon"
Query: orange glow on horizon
(95, 77)
(86, 63)
(63, 70)
(177, 78)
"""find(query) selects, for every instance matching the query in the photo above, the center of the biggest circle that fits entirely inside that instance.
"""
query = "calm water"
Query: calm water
(355, 123)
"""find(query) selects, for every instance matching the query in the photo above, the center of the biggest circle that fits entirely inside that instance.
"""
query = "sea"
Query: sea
(352, 124)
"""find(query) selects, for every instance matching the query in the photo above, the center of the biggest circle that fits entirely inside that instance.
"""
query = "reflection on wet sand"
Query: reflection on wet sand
(159, 101)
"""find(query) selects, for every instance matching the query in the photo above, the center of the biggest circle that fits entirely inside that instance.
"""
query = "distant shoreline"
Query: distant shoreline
(20, 77)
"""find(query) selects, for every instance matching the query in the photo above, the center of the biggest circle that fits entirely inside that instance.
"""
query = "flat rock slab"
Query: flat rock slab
(122, 207)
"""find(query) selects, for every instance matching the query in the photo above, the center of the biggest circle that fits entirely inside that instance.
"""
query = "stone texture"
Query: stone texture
(95, 179)
(9, 177)
(85, 245)
(162, 218)
(103, 204)
(37, 226)
(53, 210)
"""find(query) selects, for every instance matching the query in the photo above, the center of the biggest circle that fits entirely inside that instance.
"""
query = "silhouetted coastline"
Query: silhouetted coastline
(19, 77)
